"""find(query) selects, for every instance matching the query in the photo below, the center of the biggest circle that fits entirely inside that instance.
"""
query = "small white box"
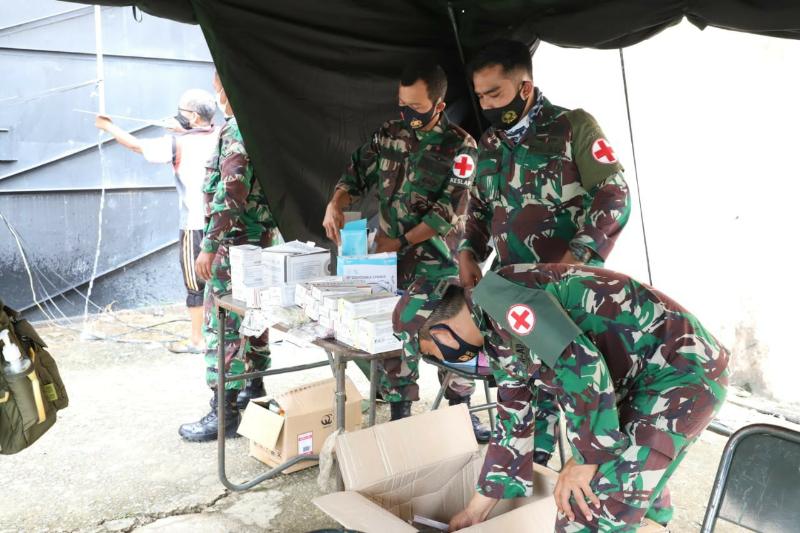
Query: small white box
(358, 306)
(281, 295)
(294, 262)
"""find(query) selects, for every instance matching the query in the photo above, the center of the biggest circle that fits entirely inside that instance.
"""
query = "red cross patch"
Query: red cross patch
(521, 319)
(602, 152)
(464, 166)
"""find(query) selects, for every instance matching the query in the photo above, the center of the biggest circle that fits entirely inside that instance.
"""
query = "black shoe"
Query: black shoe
(206, 428)
(541, 458)
(483, 433)
(400, 410)
(253, 389)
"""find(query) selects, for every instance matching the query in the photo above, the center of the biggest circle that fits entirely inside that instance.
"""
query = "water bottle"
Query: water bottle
(16, 363)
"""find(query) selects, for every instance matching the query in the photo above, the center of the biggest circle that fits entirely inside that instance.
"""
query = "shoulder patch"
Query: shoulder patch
(591, 151)
(464, 166)
(532, 316)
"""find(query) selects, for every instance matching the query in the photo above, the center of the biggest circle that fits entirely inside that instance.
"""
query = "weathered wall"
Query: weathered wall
(50, 166)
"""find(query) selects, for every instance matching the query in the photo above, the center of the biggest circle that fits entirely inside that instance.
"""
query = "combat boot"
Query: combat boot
(206, 428)
(483, 433)
(541, 458)
(253, 389)
(400, 410)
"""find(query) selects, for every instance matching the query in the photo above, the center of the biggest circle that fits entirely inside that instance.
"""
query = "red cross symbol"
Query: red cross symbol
(464, 166)
(602, 152)
(521, 319)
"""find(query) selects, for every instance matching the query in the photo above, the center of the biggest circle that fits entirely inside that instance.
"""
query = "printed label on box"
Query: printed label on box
(305, 443)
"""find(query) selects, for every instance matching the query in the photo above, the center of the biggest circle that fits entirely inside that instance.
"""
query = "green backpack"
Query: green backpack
(28, 402)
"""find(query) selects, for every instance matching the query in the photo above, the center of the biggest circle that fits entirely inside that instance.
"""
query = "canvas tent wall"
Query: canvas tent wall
(310, 80)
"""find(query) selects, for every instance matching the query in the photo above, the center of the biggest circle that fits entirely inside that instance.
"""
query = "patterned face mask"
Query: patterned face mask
(414, 119)
(465, 351)
(518, 130)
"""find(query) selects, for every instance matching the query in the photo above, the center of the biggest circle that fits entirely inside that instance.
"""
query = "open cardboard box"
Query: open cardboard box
(427, 465)
(308, 419)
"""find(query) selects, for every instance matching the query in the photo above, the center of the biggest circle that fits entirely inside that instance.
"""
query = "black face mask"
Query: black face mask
(183, 121)
(465, 351)
(502, 118)
(414, 119)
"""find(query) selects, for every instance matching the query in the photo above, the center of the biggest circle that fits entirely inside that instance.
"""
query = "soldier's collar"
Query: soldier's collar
(437, 130)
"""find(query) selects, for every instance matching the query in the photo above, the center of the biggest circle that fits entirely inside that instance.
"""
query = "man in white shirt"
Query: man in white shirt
(188, 149)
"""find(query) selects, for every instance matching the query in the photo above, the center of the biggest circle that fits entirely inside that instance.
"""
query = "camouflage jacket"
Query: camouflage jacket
(561, 183)
(419, 177)
(631, 341)
(235, 206)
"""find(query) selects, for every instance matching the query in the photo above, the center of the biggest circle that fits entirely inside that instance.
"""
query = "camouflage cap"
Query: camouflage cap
(416, 305)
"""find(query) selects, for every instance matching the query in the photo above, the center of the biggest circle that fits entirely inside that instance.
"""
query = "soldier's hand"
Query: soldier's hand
(102, 122)
(476, 512)
(385, 244)
(202, 265)
(333, 222)
(469, 272)
(574, 481)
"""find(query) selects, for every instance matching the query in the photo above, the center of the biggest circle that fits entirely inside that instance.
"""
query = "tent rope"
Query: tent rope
(635, 167)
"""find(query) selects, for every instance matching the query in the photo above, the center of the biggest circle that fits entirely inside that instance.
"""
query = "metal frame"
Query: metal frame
(723, 472)
(338, 355)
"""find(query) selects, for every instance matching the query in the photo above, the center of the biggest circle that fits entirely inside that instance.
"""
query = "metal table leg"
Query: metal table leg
(222, 315)
(340, 367)
(488, 393)
(373, 391)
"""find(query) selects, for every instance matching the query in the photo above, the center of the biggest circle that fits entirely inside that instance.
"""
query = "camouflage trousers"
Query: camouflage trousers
(663, 420)
(399, 375)
(255, 350)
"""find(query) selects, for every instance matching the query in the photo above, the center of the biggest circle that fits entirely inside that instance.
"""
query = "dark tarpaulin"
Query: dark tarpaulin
(309, 80)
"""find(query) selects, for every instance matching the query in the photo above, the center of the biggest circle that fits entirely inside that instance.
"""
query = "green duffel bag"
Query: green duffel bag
(28, 401)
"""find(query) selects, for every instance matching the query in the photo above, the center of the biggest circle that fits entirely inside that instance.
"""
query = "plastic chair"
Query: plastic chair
(758, 481)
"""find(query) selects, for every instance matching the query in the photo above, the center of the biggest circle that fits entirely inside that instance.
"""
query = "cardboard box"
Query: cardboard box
(427, 465)
(309, 418)
(293, 262)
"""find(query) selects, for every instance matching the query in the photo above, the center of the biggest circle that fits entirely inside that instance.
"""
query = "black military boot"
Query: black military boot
(541, 458)
(400, 410)
(483, 433)
(206, 428)
(253, 389)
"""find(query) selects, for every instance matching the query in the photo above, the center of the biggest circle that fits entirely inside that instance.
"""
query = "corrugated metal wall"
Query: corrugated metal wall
(50, 166)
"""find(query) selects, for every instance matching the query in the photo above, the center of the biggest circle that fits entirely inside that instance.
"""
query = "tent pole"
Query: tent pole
(635, 167)
(471, 93)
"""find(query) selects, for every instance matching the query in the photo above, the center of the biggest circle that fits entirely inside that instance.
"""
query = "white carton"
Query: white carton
(292, 262)
(376, 269)
(358, 306)
(282, 295)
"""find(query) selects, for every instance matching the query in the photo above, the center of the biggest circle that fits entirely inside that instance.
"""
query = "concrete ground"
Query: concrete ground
(115, 462)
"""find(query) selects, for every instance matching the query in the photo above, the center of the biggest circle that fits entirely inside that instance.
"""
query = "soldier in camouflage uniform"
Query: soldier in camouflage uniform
(421, 167)
(236, 213)
(548, 188)
(637, 376)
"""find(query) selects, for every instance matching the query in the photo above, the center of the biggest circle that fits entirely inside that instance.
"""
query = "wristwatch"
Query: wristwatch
(403, 242)
(582, 253)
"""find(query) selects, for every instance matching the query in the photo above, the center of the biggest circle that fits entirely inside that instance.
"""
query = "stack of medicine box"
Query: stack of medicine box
(365, 322)
(286, 265)
(247, 278)
(320, 298)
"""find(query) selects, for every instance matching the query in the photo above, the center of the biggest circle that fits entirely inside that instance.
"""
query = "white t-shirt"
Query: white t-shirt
(188, 152)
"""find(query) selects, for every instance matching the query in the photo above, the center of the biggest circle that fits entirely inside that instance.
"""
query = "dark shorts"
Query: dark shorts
(190, 240)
